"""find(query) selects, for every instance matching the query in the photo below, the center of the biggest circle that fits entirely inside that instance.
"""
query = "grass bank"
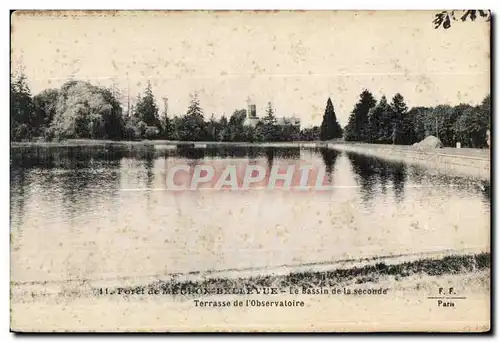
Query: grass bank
(448, 265)
(405, 307)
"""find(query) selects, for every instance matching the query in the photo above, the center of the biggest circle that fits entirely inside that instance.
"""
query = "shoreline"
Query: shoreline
(159, 143)
(465, 161)
(468, 162)
(344, 273)
(361, 148)
(474, 153)
(354, 275)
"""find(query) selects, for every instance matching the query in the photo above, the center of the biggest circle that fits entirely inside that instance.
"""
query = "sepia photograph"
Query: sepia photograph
(250, 171)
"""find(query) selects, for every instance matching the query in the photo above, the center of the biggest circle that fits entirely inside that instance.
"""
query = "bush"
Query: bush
(151, 132)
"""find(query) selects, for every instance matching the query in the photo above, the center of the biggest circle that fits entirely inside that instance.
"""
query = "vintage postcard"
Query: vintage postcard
(250, 171)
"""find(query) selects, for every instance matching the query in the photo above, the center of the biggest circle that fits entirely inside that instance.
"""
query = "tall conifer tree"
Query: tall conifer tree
(330, 127)
(357, 126)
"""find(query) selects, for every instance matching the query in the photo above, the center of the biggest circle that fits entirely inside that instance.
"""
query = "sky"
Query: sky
(296, 60)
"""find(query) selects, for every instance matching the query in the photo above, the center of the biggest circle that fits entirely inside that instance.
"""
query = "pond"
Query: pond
(102, 211)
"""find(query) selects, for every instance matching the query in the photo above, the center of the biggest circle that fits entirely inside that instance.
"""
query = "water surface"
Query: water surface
(100, 212)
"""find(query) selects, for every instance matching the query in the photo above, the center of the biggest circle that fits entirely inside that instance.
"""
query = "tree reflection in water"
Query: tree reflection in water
(373, 171)
(329, 158)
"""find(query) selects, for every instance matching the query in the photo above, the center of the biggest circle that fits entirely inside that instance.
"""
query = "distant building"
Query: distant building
(252, 122)
(252, 111)
(284, 121)
(252, 119)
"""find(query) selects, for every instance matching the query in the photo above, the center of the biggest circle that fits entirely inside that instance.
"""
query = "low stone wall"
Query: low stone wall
(446, 161)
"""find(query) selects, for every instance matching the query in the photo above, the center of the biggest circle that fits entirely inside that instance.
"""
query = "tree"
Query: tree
(270, 117)
(269, 127)
(439, 121)
(165, 122)
(330, 127)
(288, 133)
(485, 109)
(151, 132)
(131, 131)
(236, 125)
(193, 123)
(21, 107)
(166, 128)
(211, 129)
(472, 127)
(194, 107)
(224, 133)
(377, 122)
(86, 111)
(252, 134)
(417, 125)
(386, 134)
(177, 125)
(398, 112)
(112, 114)
(310, 133)
(146, 109)
(45, 107)
(191, 126)
(357, 126)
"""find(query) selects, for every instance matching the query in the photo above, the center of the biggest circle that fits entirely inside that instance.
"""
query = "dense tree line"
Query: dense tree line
(82, 110)
(393, 123)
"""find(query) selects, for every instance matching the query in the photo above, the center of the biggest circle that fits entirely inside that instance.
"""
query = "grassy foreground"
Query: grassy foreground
(448, 265)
